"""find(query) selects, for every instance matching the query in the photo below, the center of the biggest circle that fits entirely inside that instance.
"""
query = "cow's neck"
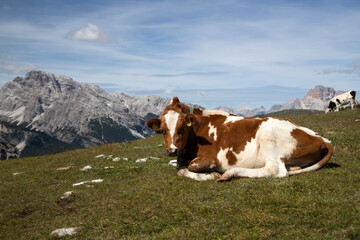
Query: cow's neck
(195, 142)
(191, 149)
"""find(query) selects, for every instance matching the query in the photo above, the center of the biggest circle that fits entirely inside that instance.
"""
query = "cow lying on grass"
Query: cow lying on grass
(341, 100)
(219, 146)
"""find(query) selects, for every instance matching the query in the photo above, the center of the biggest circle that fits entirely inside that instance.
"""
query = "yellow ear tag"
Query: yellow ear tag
(155, 127)
(188, 124)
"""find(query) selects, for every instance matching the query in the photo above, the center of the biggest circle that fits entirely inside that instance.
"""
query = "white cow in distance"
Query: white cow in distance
(341, 100)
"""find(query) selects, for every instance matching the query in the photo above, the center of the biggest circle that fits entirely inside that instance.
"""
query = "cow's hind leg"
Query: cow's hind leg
(353, 104)
(274, 165)
(273, 171)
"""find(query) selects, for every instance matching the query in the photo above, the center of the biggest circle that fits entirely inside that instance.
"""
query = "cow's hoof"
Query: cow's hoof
(224, 177)
(182, 172)
(215, 175)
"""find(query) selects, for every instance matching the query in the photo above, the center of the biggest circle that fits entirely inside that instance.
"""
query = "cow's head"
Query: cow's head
(175, 127)
(331, 107)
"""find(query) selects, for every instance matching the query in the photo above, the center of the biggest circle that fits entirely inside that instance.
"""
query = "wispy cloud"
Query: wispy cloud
(201, 93)
(351, 69)
(13, 65)
(189, 74)
(5, 7)
(169, 92)
(90, 33)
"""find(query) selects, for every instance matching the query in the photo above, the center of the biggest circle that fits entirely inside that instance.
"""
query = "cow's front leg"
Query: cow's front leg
(197, 167)
(184, 172)
(202, 165)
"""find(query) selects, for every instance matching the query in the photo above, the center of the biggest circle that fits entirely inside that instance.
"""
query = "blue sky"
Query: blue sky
(169, 47)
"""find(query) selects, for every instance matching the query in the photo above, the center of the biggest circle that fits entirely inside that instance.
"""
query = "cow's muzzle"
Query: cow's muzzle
(172, 152)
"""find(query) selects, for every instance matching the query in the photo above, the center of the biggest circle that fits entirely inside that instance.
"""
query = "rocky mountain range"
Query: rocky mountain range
(41, 114)
(316, 99)
(244, 111)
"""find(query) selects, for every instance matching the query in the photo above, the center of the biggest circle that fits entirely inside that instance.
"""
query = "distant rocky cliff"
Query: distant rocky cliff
(316, 99)
(244, 111)
(50, 109)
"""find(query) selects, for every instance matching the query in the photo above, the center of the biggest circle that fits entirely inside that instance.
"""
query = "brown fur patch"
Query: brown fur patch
(309, 150)
(239, 133)
(231, 158)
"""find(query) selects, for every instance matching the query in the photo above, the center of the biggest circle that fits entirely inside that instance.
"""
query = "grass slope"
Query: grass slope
(149, 201)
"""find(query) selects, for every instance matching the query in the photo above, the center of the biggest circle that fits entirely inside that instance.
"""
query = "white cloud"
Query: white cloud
(12, 65)
(201, 93)
(169, 92)
(91, 33)
(189, 74)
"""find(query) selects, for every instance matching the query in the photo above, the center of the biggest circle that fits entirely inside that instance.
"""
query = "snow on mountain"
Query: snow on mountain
(75, 114)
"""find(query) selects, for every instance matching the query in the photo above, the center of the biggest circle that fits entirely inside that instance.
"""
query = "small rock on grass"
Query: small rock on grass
(88, 167)
(63, 168)
(142, 160)
(65, 231)
(83, 182)
(67, 194)
(173, 163)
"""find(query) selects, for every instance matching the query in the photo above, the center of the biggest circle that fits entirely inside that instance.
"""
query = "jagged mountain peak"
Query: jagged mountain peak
(81, 115)
(320, 92)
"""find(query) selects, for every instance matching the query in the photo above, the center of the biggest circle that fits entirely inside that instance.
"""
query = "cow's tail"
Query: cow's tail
(319, 164)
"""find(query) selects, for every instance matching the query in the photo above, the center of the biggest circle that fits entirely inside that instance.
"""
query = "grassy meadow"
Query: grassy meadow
(147, 200)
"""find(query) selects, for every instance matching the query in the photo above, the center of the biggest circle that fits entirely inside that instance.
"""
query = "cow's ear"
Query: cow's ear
(190, 120)
(175, 100)
(154, 124)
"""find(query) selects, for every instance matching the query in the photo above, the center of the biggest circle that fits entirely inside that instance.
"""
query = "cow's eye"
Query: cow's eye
(159, 131)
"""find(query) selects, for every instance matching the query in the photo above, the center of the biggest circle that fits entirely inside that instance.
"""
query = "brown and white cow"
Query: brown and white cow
(239, 147)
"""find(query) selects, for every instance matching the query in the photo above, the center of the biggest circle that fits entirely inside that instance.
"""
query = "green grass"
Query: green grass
(149, 201)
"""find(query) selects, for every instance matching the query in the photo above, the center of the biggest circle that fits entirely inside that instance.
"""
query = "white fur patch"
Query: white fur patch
(250, 157)
(212, 130)
(232, 119)
(276, 140)
(214, 112)
(171, 119)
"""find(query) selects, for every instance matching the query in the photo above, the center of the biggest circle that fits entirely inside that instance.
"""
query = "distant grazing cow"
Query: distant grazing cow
(238, 147)
(341, 100)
